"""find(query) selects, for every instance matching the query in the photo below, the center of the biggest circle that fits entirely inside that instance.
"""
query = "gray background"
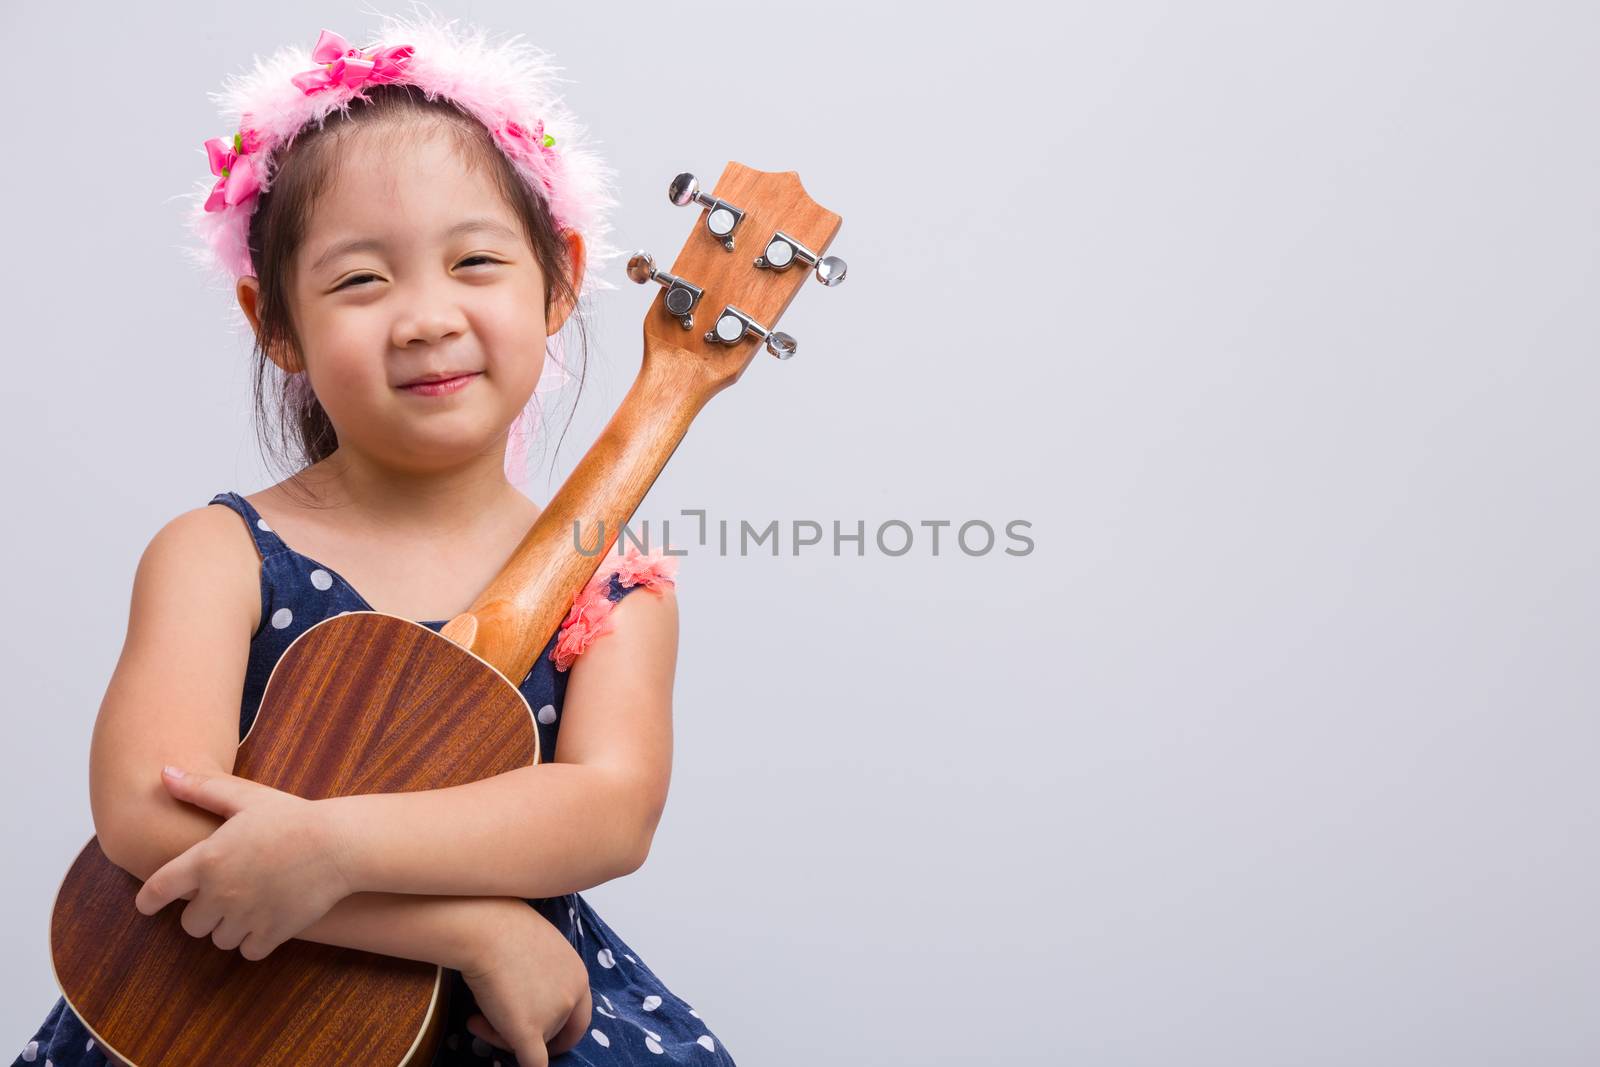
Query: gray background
(1276, 322)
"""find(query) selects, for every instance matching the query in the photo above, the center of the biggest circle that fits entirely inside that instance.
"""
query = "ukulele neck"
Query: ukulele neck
(513, 618)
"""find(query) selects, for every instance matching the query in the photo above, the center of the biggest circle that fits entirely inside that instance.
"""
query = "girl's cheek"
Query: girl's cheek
(345, 375)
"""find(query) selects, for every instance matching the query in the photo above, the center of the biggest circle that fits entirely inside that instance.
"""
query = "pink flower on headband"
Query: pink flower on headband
(530, 147)
(239, 179)
(351, 67)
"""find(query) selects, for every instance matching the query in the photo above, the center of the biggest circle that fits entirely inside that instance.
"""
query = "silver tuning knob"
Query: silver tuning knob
(733, 324)
(681, 296)
(722, 218)
(783, 250)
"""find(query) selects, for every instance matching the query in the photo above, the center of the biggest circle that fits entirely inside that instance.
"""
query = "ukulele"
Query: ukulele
(367, 702)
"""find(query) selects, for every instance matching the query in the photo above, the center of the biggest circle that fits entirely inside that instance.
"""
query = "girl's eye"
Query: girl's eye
(349, 282)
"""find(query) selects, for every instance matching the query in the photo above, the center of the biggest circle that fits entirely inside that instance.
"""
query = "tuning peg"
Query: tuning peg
(681, 296)
(733, 324)
(783, 250)
(721, 218)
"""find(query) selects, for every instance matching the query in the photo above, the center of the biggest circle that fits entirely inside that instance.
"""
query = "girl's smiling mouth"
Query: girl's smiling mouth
(441, 387)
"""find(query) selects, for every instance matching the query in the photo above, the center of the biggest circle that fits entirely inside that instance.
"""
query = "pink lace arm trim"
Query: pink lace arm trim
(588, 620)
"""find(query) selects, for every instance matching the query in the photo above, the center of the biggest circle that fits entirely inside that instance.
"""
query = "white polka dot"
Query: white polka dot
(89, 1046)
(605, 1042)
(694, 1013)
(547, 714)
(605, 960)
(652, 1002)
(31, 1053)
(601, 1008)
(629, 958)
(705, 1042)
(653, 1045)
(263, 524)
(321, 578)
(651, 1034)
(607, 999)
(281, 618)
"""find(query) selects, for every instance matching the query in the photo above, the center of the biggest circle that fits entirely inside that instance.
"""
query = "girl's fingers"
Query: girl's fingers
(229, 934)
(200, 918)
(535, 1055)
(576, 1026)
(478, 1026)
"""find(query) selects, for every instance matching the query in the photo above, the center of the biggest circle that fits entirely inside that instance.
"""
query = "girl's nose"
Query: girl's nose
(429, 322)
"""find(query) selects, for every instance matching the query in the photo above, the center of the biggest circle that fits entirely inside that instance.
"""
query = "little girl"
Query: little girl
(406, 225)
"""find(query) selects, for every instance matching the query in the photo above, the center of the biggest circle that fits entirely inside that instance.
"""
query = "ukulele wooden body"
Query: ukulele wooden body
(359, 703)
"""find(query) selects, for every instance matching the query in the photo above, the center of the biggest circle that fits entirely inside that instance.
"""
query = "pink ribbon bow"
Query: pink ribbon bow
(351, 67)
(232, 160)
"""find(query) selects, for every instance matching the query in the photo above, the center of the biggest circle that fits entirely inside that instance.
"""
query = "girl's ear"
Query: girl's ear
(248, 290)
(560, 309)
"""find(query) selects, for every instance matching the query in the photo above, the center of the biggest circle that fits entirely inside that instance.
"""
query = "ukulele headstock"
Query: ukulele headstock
(758, 240)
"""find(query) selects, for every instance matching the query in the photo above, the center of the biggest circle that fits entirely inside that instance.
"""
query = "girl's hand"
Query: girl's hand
(274, 868)
(532, 990)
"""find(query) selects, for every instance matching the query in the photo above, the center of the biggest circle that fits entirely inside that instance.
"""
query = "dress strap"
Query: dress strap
(267, 542)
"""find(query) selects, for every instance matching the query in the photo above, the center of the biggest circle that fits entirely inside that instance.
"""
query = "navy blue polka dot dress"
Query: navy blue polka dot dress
(636, 1019)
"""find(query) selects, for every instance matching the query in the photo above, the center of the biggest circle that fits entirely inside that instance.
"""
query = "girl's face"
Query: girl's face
(414, 266)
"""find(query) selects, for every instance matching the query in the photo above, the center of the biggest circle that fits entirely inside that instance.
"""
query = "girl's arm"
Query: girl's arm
(556, 828)
(456, 932)
(535, 832)
(174, 698)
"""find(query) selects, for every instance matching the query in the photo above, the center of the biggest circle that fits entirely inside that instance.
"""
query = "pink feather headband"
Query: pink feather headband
(508, 85)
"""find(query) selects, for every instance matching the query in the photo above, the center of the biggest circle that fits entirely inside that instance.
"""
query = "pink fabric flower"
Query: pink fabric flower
(651, 571)
(530, 146)
(587, 621)
(350, 67)
(239, 179)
